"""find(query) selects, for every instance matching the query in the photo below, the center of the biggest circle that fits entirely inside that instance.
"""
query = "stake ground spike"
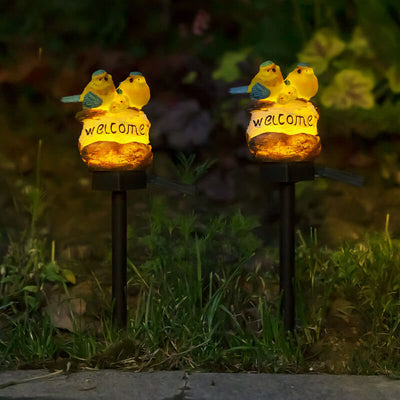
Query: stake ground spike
(286, 254)
(286, 175)
(118, 182)
(119, 251)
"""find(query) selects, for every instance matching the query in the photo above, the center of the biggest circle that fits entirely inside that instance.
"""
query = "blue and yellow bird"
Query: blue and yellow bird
(266, 84)
(98, 93)
(136, 89)
(303, 79)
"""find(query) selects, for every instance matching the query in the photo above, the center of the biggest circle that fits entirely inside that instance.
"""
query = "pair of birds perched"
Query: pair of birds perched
(100, 93)
(269, 84)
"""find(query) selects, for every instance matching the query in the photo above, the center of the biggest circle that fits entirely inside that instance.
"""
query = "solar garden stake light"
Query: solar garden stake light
(282, 134)
(114, 143)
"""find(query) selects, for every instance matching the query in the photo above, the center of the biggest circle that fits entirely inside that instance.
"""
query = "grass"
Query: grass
(202, 301)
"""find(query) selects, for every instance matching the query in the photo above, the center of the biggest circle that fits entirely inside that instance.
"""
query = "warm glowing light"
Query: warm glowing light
(283, 124)
(115, 133)
(284, 132)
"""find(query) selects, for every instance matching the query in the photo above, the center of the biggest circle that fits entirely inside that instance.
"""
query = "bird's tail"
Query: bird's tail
(238, 90)
(71, 99)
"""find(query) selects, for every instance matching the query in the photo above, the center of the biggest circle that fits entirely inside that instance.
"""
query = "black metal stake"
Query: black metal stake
(119, 257)
(118, 182)
(287, 174)
(286, 254)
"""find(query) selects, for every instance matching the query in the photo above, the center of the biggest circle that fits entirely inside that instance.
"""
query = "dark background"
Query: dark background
(191, 53)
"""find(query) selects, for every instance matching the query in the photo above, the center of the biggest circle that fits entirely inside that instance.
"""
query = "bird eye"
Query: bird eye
(106, 79)
(273, 70)
(131, 80)
(299, 71)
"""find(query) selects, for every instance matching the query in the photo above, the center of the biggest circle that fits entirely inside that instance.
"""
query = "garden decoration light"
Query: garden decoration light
(283, 123)
(114, 143)
(283, 135)
(115, 133)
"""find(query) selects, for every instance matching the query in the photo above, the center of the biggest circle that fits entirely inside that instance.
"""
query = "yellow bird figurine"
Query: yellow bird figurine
(303, 79)
(98, 93)
(287, 94)
(119, 103)
(266, 84)
(135, 89)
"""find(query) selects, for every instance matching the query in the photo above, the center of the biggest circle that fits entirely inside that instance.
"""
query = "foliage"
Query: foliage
(350, 88)
(199, 304)
(322, 47)
(357, 67)
(365, 277)
(196, 302)
(189, 172)
(393, 76)
(26, 268)
(228, 69)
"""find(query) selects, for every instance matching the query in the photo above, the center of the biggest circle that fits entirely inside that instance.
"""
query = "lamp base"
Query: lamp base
(280, 147)
(287, 172)
(106, 156)
(119, 180)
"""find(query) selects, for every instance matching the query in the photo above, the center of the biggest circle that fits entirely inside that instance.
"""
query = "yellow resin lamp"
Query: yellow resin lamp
(115, 133)
(283, 124)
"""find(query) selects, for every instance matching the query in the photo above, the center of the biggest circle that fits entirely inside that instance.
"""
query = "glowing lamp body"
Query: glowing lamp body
(116, 141)
(284, 132)
(115, 132)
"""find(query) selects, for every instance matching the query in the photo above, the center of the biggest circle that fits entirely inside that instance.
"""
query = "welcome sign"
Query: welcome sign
(281, 119)
(122, 127)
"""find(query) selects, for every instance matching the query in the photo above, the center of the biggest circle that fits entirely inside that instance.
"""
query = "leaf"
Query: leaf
(350, 88)
(69, 276)
(190, 77)
(359, 44)
(30, 288)
(323, 46)
(228, 69)
(393, 76)
(31, 302)
(51, 272)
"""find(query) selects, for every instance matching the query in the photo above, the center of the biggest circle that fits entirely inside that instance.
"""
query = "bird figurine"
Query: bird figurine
(98, 93)
(287, 94)
(135, 89)
(303, 79)
(266, 84)
(119, 103)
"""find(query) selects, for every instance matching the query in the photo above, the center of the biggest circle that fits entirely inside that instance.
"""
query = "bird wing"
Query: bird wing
(259, 92)
(91, 100)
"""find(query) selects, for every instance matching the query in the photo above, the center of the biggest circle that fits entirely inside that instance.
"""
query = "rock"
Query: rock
(275, 146)
(62, 311)
(106, 156)
(183, 124)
